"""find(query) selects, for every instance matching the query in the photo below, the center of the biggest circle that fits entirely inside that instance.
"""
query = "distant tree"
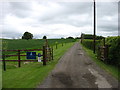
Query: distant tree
(27, 35)
(62, 38)
(99, 37)
(69, 38)
(90, 36)
(77, 38)
(44, 37)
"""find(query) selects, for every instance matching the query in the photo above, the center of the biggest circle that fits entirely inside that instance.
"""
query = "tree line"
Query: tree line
(28, 35)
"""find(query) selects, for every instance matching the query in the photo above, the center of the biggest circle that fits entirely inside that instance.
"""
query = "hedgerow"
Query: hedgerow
(114, 48)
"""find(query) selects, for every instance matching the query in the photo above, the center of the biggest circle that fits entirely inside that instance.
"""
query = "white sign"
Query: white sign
(39, 59)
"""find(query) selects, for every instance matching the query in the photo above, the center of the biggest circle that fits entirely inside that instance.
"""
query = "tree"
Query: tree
(44, 37)
(70, 37)
(27, 35)
(77, 38)
(62, 38)
(90, 36)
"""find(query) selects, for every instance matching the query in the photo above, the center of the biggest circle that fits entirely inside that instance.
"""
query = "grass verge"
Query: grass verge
(32, 74)
(113, 70)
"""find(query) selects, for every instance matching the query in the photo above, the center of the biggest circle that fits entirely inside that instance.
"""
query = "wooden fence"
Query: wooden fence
(47, 54)
(103, 52)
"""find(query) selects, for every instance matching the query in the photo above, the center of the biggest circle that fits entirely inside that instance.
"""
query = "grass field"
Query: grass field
(113, 70)
(32, 74)
(29, 44)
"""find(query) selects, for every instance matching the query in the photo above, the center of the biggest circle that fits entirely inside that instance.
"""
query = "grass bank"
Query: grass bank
(32, 74)
(114, 71)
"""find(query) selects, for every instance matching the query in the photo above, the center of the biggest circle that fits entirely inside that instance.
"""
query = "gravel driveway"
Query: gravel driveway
(76, 70)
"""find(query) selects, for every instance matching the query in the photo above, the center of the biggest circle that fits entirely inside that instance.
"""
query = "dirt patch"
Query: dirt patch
(63, 78)
(88, 63)
(91, 79)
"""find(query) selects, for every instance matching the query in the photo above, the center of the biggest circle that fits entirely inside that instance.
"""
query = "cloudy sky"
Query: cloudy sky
(57, 19)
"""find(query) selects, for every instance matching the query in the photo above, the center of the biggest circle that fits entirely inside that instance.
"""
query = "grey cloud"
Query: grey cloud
(21, 5)
(78, 7)
(108, 26)
(68, 9)
(65, 20)
(20, 9)
(103, 9)
(106, 8)
(11, 34)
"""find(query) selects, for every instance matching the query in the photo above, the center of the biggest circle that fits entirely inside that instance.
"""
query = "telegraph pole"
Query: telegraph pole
(94, 37)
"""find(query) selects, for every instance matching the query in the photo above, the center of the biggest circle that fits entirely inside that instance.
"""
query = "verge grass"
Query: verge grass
(32, 74)
(114, 71)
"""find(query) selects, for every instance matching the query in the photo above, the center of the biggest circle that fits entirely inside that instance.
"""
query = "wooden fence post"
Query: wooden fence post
(98, 53)
(19, 59)
(62, 44)
(44, 55)
(104, 41)
(49, 53)
(56, 46)
(52, 53)
(106, 53)
(4, 64)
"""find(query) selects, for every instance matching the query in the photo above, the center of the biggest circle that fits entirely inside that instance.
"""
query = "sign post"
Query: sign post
(39, 57)
(44, 55)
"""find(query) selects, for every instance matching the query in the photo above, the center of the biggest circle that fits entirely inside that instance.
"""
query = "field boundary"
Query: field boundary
(47, 54)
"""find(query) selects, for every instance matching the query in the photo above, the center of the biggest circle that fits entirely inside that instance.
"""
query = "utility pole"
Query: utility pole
(94, 37)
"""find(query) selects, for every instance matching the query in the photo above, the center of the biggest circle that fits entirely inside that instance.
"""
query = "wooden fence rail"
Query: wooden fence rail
(47, 54)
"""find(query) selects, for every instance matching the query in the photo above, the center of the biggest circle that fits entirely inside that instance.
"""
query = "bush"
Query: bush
(88, 43)
(114, 50)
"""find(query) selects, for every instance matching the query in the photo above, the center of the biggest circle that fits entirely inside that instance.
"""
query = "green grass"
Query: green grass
(32, 74)
(114, 71)
(15, 44)
(28, 44)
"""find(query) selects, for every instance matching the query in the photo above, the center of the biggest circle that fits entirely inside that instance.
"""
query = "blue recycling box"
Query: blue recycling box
(39, 55)
(31, 55)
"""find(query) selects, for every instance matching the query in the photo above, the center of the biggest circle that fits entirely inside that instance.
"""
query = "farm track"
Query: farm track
(76, 70)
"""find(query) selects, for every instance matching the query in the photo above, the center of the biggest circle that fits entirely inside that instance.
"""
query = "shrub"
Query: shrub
(88, 43)
(114, 50)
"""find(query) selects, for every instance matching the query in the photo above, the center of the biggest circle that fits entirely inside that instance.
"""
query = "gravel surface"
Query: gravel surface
(76, 70)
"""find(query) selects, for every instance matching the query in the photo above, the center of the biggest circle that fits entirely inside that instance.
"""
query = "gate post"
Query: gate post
(98, 52)
(106, 52)
(4, 64)
(19, 58)
(104, 41)
(56, 46)
(52, 53)
(62, 44)
(49, 53)
(44, 55)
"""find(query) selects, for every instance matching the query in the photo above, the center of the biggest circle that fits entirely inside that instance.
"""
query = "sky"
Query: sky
(57, 19)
